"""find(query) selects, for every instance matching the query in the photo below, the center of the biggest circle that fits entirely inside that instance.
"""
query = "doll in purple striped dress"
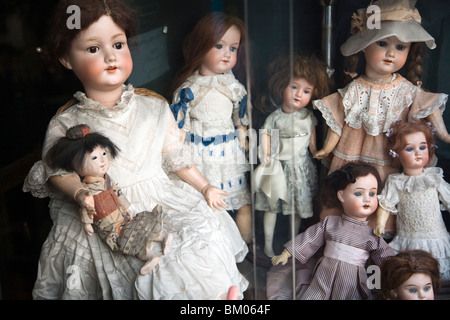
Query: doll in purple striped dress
(340, 274)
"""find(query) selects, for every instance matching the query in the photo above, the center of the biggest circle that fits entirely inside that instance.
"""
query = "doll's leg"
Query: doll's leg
(167, 238)
(88, 228)
(244, 222)
(151, 263)
(270, 219)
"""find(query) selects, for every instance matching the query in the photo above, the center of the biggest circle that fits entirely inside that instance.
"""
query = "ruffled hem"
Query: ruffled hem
(439, 248)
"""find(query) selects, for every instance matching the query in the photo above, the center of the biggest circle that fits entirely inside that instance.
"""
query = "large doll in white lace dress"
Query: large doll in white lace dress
(416, 196)
(206, 244)
(359, 115)
(209, 105)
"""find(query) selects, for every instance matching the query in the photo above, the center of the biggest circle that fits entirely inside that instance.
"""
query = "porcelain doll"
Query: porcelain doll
(206, 245)
(359, 115)
(209, 105)
(349, 242)
(88, 154)
(286, 180)
(409, 275)
(416, 195)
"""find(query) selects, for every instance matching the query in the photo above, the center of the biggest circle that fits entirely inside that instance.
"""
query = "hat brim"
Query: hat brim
(405, 31)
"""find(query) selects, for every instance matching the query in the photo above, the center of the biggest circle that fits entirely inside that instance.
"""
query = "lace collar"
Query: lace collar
(120, 107)
(397, 78)
(430, 178)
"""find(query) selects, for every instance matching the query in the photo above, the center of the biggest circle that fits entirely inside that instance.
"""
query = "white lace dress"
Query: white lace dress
(298, 172)
(417, 201)
(210, 122)
(201, 263)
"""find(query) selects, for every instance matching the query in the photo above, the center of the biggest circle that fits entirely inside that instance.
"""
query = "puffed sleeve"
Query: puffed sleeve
(36, 181)
(443, 189)
(389, 197)
(332, 111)
(176, 154)
(181, 106)
(425, 103)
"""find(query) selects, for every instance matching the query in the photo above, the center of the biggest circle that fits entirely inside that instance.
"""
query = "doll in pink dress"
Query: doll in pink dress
(209, 104)
(359, 115)
(340, 274)
(416, 195)
(88, 154)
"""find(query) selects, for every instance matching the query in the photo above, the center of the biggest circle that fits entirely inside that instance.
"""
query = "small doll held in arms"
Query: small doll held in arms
(286, 180)
(88, 154)
(209, 104)
(349, 242)
(409, 275)
(359, 115)
(417, 195)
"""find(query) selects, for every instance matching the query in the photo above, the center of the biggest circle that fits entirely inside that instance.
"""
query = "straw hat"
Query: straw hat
(397, 18)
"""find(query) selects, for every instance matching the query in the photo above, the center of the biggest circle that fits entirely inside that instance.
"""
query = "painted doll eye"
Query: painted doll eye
(118, 45)
(93, 49)
(218, 46)
(382, 43)
(409, 149)
(233, 49)
(400, 47)
(423, 148)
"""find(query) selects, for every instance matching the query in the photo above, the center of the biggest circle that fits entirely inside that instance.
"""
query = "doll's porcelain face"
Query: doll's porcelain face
(296, 95)
(418, 287)
(100, 56)
(359, 200)
(95, 164)
(414, 154)
(385, 57)
(223, 56)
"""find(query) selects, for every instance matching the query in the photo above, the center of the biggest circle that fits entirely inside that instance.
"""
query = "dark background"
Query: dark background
(31, 92)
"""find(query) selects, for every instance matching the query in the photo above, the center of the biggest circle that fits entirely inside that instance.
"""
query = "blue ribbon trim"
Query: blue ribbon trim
(186, 96)
(242, 107)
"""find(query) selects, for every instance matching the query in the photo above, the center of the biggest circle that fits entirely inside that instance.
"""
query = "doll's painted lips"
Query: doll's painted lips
(387, 61)
(111, 69)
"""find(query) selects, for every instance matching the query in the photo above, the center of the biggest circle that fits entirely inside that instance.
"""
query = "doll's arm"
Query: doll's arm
(313, 142)
(243, 141)
(330, 143)
(382, 217)
(213, 195)
(282, 258)
(437, 122)
(71, 186)
(265, 145)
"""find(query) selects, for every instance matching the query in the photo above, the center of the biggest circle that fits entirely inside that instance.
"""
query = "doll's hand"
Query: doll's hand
(88, 228)
(282, 258)
(265, 159)
(129, 215)
(243, 141)
(379, 230)
(321, 154)
(213, 197)
(86, 200)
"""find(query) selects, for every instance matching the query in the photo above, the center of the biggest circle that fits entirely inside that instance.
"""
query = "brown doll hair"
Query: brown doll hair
(207, 32)
(395, 270)
(68, 152)
(400, 129)
(341, 178)
(309, 67)
(60, 37)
